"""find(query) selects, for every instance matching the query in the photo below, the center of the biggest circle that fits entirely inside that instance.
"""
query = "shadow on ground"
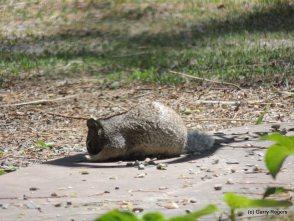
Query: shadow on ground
(79, 160)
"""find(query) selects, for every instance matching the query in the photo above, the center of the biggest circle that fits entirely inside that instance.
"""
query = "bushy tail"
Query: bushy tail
(198, 142)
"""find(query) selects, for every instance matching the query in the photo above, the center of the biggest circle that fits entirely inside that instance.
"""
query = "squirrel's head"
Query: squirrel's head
(95, 138)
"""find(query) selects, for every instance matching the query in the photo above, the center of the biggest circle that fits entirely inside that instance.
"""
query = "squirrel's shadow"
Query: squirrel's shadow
(79, 160)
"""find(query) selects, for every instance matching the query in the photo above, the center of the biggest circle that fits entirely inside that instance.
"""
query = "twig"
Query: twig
(233, 102)
(204, 79)
(142, 95)
(62, 115)
(116, 105)
(226, 119)
(43, 101)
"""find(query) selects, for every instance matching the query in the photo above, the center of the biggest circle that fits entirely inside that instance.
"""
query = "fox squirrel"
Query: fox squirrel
(150, 129)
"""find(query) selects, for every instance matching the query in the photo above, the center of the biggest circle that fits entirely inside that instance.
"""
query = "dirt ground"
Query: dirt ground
(58, 115)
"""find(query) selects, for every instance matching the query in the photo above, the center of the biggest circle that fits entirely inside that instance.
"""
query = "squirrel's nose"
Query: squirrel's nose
(91, 123)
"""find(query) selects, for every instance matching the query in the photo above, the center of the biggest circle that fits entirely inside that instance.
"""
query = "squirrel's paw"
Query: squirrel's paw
(92, 158)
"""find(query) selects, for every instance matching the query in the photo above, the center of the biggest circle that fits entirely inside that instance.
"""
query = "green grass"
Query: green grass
(239, 41)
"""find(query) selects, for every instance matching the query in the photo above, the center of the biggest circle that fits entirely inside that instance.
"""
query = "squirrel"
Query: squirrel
(151, 129)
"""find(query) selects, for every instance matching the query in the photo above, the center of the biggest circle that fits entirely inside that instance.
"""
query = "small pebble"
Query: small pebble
(33, 188)
(4, 206)
(161, 166)
(232, 162)
(141, 167)
(163, 188)
(233, 170)
(137, 210)
(54, 195)
(171, 205)
(193, 201)
(217, 187)
(216, 161)
(229, 181)
(57, 205)
(255, 169)
(276, 127)
(116, 188)
(130, 164)
(142, 175)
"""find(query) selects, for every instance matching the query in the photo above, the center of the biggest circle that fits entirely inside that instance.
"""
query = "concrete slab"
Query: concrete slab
(72, 189)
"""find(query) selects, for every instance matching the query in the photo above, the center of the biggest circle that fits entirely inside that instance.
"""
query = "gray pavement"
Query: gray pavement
(72, 189)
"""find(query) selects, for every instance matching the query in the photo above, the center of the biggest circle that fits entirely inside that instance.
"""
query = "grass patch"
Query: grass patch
(239, 41)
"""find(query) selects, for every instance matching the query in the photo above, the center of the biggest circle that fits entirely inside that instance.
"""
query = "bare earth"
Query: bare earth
(66, 187)
(208, 108)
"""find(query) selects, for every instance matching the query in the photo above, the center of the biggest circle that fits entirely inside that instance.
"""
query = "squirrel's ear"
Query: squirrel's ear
(94, 124)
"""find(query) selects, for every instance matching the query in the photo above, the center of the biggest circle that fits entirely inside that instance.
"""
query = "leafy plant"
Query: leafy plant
(278, 152)
(235, 201)
(274, 190)
(210, 209)
(117, 215)
(43, 145)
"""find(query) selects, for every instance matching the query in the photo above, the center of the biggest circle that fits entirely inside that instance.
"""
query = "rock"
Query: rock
(141, 167)
(276, 127)
(31, 205)
(137, 163)
(33, 188)
(163, 188)
(233, 170)
(130, 164)
(193, 201)
(256, 169)
(216, 161)
(147, 160)
(68, 203)
(116, 188)
(217, 187)
(141, 175)
(57, 205)
(106, 191)
(232, 162)
(161, 166)
(171, 205)
(4, 206)
(137, 210)
(54, 195)
(84, 172)
(229, 181)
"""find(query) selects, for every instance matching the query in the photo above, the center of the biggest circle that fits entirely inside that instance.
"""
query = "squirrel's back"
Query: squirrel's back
(150, 129)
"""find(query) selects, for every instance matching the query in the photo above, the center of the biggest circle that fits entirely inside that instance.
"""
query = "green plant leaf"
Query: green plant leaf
(274, 190)
(278, 152)
(153, 217)
(116, 215)
(235, 201)
(2, 172)
(210, 209)
(43, 145)
(261, 116)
